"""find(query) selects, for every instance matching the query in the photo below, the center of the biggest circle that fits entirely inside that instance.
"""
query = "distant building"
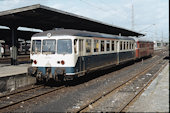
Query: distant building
(160, 44)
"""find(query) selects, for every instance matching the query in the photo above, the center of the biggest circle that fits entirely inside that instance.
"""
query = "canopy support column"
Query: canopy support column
(0, 50)
(14, 46)
(25, 47)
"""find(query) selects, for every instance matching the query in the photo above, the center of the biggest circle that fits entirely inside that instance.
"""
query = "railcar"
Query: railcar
(63, 54)
(144, 48)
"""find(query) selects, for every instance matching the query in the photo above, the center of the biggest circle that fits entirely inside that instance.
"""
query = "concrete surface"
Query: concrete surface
(13, 77)
(156, 97)
(10, 83)
(8, 70)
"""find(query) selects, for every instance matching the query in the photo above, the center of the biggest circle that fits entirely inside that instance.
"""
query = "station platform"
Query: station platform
(156, 97)
(9, 70)
(14, 77)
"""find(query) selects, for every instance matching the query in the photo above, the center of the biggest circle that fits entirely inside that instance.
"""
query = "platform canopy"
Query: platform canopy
(5, 34)
(46, 18)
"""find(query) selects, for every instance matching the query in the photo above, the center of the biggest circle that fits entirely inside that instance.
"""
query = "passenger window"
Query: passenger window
(81, 47)
(88, 45)
(75, 46)
(121, 45)
(113, 46)
(108, 45)
(124, 45)
(127, 47)
(102, 45)
(96, 45)
(132, 45)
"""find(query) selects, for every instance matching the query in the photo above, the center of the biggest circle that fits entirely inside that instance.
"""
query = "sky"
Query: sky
(151, 17)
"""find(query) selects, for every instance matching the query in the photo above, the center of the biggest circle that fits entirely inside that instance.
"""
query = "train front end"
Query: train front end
(52, 58)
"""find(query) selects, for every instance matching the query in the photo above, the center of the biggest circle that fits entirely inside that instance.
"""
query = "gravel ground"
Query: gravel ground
(156, 97)
(116, 100)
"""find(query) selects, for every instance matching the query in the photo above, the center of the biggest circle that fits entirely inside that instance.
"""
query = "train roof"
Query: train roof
(72, 32)
(141, 39)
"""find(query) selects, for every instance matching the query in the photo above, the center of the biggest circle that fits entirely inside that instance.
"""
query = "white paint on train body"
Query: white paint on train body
(51, 60)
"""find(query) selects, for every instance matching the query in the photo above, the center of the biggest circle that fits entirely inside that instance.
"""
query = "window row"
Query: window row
(126, 45)
(107, 45)
(144, 45)
(48, 46)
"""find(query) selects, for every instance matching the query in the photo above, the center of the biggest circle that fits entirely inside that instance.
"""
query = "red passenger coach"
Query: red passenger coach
(144, 48)
(150, 48)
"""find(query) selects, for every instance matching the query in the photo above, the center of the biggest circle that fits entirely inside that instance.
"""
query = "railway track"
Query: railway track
(12, 99)
(88, 107)
(20, 91)
(122, 109)
(24, 58)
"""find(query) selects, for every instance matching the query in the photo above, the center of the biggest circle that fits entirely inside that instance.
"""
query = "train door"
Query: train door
(81, 55)
(117, 51)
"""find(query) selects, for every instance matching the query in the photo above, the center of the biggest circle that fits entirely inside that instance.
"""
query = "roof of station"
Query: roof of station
(46, 18)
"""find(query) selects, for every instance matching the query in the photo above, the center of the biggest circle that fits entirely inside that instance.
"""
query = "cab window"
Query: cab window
(64, 46)
(49, 46)
(36, 46)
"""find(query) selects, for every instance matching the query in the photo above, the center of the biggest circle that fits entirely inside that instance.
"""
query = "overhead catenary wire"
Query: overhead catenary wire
(99, 8)
(94, 6)
(107, 9)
